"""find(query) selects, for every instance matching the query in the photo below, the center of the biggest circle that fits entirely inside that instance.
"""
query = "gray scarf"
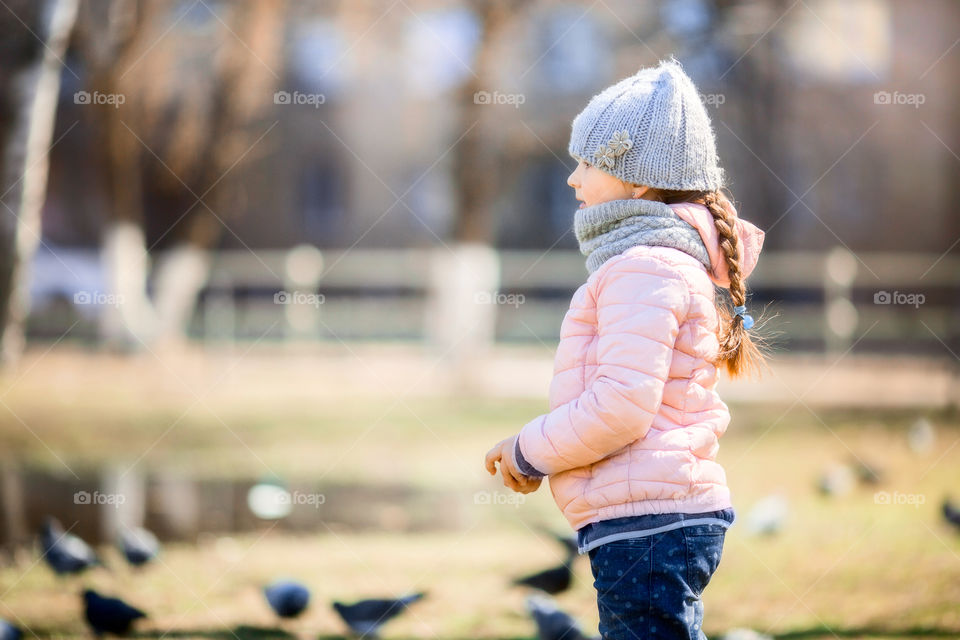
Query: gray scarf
(610, 228)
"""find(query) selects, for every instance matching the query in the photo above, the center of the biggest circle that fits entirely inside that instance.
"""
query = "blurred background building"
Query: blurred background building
(412, 155)
(272, 271)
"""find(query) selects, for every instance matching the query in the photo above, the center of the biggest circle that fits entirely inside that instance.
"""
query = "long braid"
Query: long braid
(737, 351)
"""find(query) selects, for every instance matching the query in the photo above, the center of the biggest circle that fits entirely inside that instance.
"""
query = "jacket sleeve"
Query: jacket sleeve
(641, 303)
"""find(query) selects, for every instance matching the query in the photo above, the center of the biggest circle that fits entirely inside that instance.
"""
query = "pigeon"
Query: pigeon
(9, 631)
(922, 436)
(867, 473)
(554, 580)
(569, 543)
(109, 615)
(65, 552)
(951, 513)
(367, 616)
(836, 480)
(139, 546)
(552, 623)
(287, 598)
(767, 515)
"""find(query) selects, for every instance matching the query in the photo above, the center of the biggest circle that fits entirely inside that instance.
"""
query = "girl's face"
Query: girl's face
(594, 186)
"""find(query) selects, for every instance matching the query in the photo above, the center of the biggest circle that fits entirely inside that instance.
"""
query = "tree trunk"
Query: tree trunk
(32, 90)
(462, 310)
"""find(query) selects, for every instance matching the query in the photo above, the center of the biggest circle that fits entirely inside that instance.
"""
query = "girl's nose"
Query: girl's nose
(572, 178)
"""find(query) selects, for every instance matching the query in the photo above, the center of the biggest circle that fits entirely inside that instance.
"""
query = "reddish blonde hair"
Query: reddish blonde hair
(740, 351)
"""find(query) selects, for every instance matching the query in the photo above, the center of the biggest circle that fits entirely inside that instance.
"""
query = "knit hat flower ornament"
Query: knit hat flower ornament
(619, 144)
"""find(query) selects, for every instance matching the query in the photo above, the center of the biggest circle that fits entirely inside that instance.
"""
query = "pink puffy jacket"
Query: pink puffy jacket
(635, 417)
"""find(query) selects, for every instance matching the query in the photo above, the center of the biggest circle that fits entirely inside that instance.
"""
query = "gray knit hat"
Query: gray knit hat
(650, 129)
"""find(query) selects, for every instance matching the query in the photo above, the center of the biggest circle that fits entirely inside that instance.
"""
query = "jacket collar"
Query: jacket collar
(750, 237)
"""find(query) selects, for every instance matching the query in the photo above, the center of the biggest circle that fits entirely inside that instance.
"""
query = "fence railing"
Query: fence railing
(815, 301)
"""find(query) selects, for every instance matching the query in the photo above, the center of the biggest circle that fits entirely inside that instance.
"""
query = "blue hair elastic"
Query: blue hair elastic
(741, 310)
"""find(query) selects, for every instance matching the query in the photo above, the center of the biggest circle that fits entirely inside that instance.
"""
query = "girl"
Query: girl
(631, 439)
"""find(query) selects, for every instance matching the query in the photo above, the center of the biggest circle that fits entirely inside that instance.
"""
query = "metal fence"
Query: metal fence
(832, 301)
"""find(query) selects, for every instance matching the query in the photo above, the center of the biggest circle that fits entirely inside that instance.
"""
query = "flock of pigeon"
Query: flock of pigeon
(67, 554)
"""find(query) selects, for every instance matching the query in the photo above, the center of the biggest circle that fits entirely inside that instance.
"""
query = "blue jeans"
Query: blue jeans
(650, 587)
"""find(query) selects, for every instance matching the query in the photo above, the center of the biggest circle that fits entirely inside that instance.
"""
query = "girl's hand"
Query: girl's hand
(512, 478)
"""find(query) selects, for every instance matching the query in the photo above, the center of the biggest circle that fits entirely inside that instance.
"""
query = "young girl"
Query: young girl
(631, 439)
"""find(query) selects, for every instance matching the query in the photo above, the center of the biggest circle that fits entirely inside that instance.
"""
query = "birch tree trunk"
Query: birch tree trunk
(465, 276)
(32, 90)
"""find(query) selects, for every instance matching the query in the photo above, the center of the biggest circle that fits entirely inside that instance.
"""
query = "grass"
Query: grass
(847, 567)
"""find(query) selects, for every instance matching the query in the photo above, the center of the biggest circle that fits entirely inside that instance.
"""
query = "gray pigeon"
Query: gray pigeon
(109, 615)
(552, 623)
(867, 472)
(951, 513)
(922, 436)
(64, 552)
(139, 546)
(367, 616)
(768, 515)
(836, 480)
(9, 631)
(554, 580)
(569, 542)
(287, 598)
